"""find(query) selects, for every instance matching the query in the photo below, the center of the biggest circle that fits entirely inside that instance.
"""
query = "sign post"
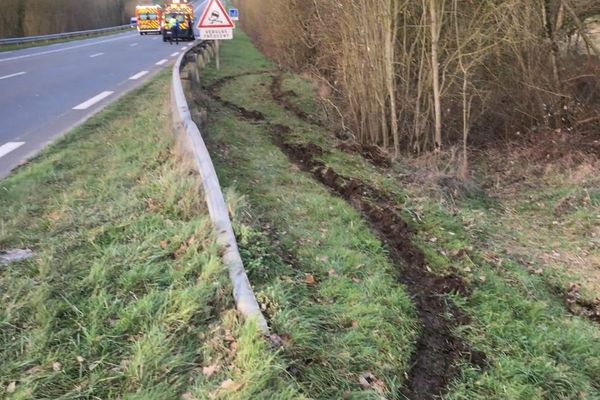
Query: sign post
(218, 50)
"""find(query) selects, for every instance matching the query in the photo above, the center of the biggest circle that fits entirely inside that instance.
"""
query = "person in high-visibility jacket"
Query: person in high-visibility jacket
(173, 26)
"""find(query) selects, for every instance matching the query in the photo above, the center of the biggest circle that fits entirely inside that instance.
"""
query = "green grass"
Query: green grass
(126, 296)
(354, 318)
(535, 349)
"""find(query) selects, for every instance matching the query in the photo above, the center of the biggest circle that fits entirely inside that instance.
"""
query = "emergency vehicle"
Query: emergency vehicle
(182, 12)
(148, 19)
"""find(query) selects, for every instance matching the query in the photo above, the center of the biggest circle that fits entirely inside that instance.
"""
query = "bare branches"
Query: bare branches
(412, 75)
(38, 17)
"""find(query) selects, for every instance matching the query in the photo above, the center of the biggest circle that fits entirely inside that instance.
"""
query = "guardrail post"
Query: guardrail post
(200, 63)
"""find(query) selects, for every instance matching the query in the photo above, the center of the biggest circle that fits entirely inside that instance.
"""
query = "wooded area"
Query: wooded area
(420, 75)
(39, 17)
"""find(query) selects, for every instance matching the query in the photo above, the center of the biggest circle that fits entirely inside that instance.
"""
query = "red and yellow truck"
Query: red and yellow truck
(182, 12)
(148, 19)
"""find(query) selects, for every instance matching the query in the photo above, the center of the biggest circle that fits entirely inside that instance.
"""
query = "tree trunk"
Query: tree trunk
(435, 69)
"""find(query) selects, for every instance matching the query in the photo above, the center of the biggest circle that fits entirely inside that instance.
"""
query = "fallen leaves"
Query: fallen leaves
(228, 336)
(538, 271)
(152, 205)
(309, 279)
(56, 366)
(230, 385)
(210, 370)
(227, 383)
(369, 381)
(577, 305)
(11, 387)
(181, 250)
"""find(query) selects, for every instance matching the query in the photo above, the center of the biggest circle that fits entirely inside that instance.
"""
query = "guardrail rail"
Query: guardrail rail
(66, 35)
(189, 136)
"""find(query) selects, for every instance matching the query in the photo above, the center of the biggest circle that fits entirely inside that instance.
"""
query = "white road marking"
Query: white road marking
(41, 53)
(133, 44)
(161, 62)
(138, 75)
(12, 75)
(96, 55)
(87, 104)
(184, 48)
(155, 38)
(8, 147)
(175, 54)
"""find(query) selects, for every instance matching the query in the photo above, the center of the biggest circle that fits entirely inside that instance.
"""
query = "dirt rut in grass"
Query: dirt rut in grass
(438, 350)
(371, 153)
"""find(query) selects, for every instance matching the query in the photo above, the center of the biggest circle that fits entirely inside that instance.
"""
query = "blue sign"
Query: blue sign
(234, 14)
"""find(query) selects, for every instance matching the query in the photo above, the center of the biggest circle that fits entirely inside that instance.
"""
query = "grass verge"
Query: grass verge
(323, 279)
(126, 296)
(311, 289)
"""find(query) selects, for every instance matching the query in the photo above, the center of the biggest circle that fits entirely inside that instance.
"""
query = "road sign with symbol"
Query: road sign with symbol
(234, 14)
(215, 23)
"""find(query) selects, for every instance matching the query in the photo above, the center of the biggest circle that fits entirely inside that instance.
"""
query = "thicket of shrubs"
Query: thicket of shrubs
(39, 17)
(418, 75)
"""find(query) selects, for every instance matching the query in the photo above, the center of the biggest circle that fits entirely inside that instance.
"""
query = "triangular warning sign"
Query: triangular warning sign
(215, 16)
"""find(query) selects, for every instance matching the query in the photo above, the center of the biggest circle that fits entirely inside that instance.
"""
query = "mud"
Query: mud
(371, 153)
(580, 306)
(282, 98)
(213, 91)
(438, 350)
(214, 87)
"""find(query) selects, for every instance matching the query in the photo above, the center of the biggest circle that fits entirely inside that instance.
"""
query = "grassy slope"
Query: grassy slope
(539, 350)
(126, 296)
(354, 318)
(550, 221)
(535, 348)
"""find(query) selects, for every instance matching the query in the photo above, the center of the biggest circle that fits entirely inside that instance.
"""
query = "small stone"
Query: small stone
(14, 255)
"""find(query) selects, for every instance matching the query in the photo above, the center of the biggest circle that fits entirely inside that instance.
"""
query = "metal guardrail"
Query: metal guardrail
(67, 35)
(190, 139)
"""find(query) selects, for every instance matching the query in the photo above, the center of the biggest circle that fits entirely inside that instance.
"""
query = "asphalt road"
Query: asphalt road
(47, 91)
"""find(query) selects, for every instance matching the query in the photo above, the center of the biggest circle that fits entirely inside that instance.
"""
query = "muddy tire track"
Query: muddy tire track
(579, 306)
(438, 350)
(282, 98)
(371, 153)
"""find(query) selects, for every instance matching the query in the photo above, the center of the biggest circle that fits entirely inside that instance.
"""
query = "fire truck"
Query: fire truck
(148, 19)
(182, 12)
